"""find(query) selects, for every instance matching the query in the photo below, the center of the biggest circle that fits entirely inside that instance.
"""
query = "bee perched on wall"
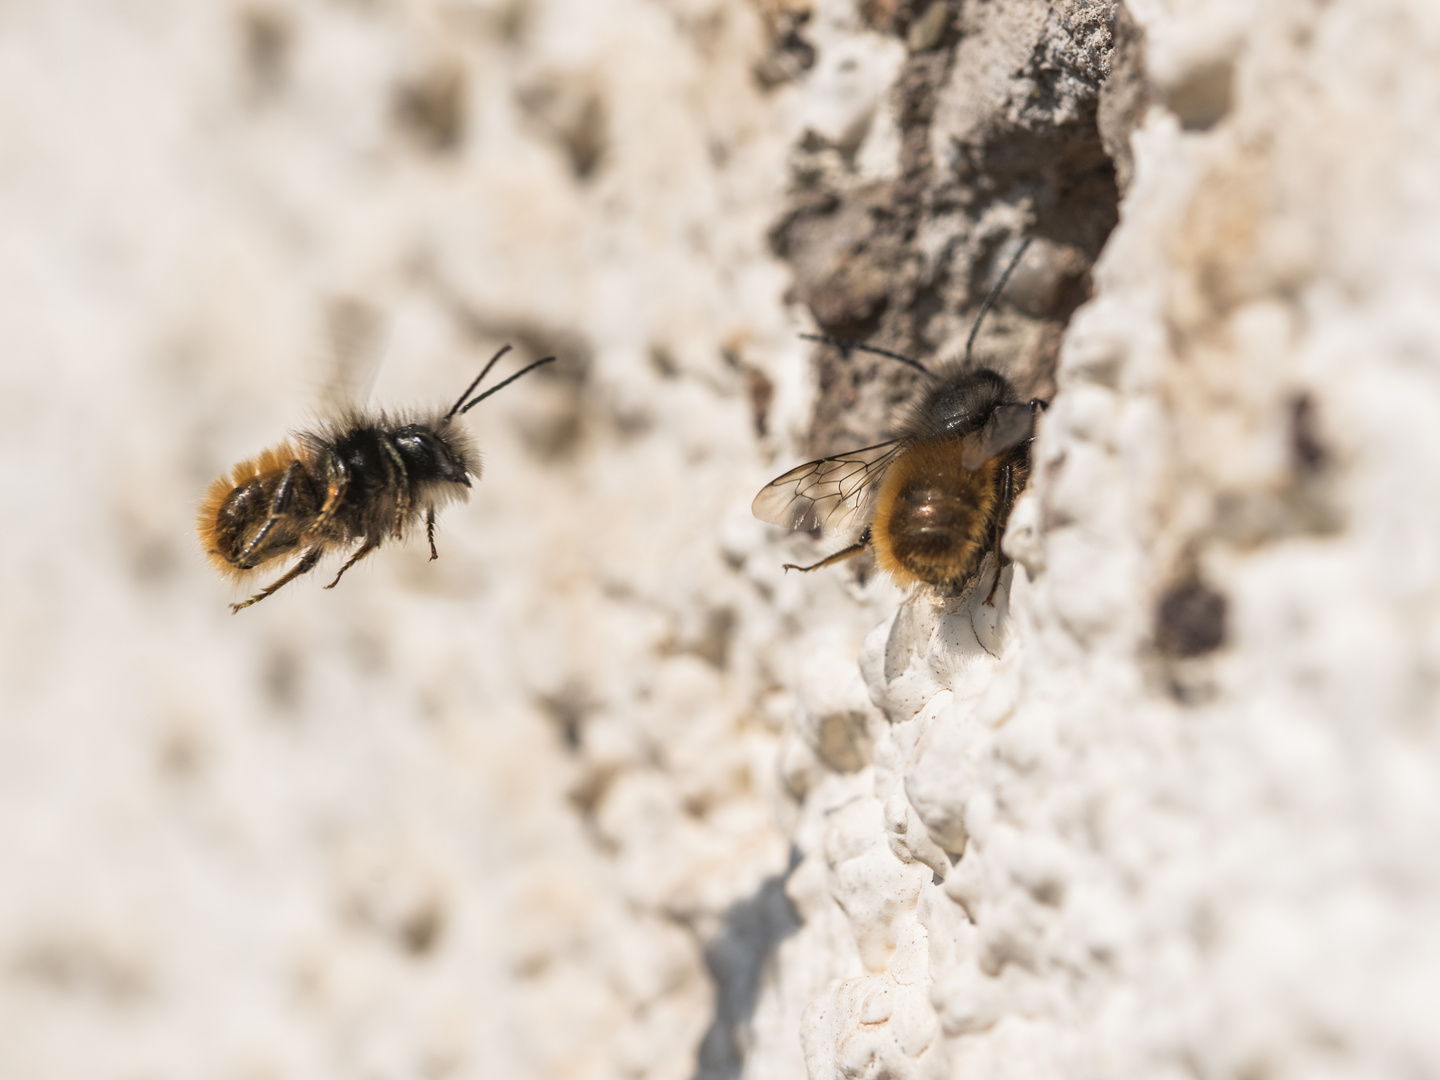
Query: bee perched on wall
(361, 479)
(933, 501)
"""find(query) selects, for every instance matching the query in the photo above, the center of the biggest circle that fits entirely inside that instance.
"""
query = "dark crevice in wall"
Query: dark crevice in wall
(905, 264)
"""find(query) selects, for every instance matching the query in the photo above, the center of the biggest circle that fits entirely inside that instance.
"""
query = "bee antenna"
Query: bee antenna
(994, 292)
(483, 372)
(501, 385)
(848, 345)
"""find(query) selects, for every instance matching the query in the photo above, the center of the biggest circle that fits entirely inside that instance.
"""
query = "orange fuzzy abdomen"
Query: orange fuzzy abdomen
(238, 504)
(934, 518)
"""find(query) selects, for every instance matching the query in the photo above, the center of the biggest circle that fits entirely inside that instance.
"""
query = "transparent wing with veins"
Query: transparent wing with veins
(833, 494)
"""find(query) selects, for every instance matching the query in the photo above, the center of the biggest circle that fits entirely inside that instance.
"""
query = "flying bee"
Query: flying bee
(935, 500)
(364, 479)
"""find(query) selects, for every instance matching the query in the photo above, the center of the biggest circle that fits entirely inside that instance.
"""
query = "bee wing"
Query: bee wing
(357, 346)
(832, 494)
(1008, 427)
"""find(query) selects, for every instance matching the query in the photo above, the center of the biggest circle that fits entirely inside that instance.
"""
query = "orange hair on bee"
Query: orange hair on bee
(962, 500)
(271, 460)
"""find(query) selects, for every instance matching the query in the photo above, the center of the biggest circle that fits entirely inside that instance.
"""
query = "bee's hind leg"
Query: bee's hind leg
(337, 482)
(365, 549)
(1007, 494)
(304, 566)
(840, 556)
(279, 507)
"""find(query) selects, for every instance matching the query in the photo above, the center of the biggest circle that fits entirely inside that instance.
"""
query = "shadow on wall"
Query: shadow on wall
(737, 960)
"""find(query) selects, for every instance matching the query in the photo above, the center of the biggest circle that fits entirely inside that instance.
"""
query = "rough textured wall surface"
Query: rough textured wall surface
(1171, 810)
(604, 792)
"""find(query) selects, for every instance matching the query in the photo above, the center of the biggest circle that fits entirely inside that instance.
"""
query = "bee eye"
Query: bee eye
(415, 442)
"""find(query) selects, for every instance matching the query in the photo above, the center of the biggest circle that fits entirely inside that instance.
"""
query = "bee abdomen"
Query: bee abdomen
(933, 518)
(260, 513)
(937, 537)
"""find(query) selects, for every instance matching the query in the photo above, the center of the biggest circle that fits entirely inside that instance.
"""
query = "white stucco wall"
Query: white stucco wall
(603, 792)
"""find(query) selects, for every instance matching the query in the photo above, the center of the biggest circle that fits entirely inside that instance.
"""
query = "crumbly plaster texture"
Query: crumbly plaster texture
(604, 792)
(1169, 807)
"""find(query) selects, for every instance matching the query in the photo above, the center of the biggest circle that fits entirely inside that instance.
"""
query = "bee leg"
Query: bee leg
(365, 549)
(396, 474)
(337, 479)
(304, 566)
(430, 532)
(278, 504)
(1002, 514)
(839, 556)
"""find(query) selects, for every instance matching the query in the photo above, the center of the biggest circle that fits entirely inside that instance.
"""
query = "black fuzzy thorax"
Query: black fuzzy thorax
(369, 500)
(427, 463)
(958, 403)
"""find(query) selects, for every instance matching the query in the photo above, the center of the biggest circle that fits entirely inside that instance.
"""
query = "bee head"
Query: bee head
(429, 456)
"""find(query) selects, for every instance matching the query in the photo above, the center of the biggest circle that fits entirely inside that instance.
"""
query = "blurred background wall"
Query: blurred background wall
(475, 818)
(603, 792)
